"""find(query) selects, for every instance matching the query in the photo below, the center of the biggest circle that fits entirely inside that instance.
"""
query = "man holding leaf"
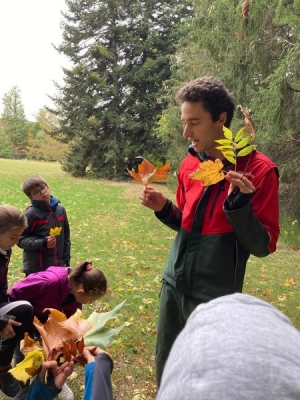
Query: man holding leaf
(219, 222)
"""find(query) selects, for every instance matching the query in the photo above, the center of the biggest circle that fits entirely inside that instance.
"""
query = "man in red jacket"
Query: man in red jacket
(218, 226)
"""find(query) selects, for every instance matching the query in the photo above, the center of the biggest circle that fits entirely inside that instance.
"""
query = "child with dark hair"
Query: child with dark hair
(14, 317)
(41, 248)
(64, 289)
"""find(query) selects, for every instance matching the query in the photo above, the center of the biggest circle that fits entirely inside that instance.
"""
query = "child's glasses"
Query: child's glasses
(39, 191)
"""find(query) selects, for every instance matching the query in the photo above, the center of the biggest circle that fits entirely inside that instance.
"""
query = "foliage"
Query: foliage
(147, 173)
(6, 145)
(64, 338)
(111, 97)
(111, 228)
(44, 148)
(14, 120)
(257, 59)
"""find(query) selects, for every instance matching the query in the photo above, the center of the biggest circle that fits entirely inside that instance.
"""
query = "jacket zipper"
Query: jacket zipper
(221, 188)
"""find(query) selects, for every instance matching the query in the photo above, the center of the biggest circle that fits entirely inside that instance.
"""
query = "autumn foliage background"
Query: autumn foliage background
(123, 238)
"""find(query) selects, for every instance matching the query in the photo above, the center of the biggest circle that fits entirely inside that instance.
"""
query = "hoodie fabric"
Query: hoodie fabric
(46, 289)
(235, 347)
(41, 218)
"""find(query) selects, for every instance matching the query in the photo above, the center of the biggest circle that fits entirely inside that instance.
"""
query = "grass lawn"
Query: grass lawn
(123, 238)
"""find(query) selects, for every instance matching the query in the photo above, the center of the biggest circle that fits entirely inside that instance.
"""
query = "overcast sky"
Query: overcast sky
(28, 60)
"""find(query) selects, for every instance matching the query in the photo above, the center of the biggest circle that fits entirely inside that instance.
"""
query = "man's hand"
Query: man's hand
(152, 199)
(239, 180)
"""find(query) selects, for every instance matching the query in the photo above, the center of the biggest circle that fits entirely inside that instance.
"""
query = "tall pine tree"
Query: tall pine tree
(111, 98)
(15, 123)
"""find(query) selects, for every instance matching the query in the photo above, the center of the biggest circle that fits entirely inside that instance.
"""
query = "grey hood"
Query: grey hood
(236, 347)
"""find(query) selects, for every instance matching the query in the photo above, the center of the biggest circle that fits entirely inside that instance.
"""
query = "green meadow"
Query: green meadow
(124, 239)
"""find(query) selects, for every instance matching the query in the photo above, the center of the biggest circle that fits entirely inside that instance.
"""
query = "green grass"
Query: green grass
(123, 238)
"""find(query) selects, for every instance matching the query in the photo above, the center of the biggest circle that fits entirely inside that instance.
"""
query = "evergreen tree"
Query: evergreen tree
(253, 47)
(109, 103)
(6, 147)
(15, 123)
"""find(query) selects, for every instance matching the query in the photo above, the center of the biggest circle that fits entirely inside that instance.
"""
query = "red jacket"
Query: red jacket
(208, 257)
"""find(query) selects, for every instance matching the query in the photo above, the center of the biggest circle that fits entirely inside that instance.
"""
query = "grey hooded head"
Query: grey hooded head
(236, 347)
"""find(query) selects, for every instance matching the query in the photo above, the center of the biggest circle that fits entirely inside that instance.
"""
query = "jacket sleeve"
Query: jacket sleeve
(98, 379)
(67, 242)
(256, 224)
(3, 322)
(27, 240)
(37, 391)
(170, 215)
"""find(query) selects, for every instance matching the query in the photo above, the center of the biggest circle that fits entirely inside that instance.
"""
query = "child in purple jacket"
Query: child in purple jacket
(64, 289)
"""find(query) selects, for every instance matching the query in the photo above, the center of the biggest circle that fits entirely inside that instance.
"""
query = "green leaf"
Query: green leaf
(247, 150)
(243, 142)
(239, 135)
(101, 338)
(227, 133)
(230, 158)
(224, 141)
(225, 147)
(99, 335)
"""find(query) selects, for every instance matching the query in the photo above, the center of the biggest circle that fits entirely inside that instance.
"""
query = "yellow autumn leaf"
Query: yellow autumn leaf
(55, 231)
(240, 134)
(227, 133)
(29, 366)
(224, 142)
(243, 142)
(209, 172)
(246, 150)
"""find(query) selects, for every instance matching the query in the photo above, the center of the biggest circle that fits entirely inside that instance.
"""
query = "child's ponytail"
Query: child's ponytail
(93, 280)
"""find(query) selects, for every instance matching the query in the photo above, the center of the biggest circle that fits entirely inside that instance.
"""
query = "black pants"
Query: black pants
(20, 311)
(174, 310)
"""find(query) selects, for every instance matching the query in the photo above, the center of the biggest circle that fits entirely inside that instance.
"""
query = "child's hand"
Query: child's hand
(8, 331)
(89, 353)
(59, 374)
(51, 242)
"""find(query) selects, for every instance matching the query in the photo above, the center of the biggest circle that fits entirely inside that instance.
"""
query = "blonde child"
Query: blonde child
(14, 317)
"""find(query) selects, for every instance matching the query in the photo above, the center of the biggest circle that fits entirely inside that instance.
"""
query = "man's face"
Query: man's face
(41, 192)
(199, 127)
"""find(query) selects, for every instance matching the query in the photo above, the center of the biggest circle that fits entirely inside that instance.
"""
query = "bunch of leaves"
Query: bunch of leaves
(147, 173)
(63, 339)
(211, 172)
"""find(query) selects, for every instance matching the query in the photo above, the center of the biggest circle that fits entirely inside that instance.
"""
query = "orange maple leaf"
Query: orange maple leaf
(209, 172)
(147, 173)
(58, 329)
